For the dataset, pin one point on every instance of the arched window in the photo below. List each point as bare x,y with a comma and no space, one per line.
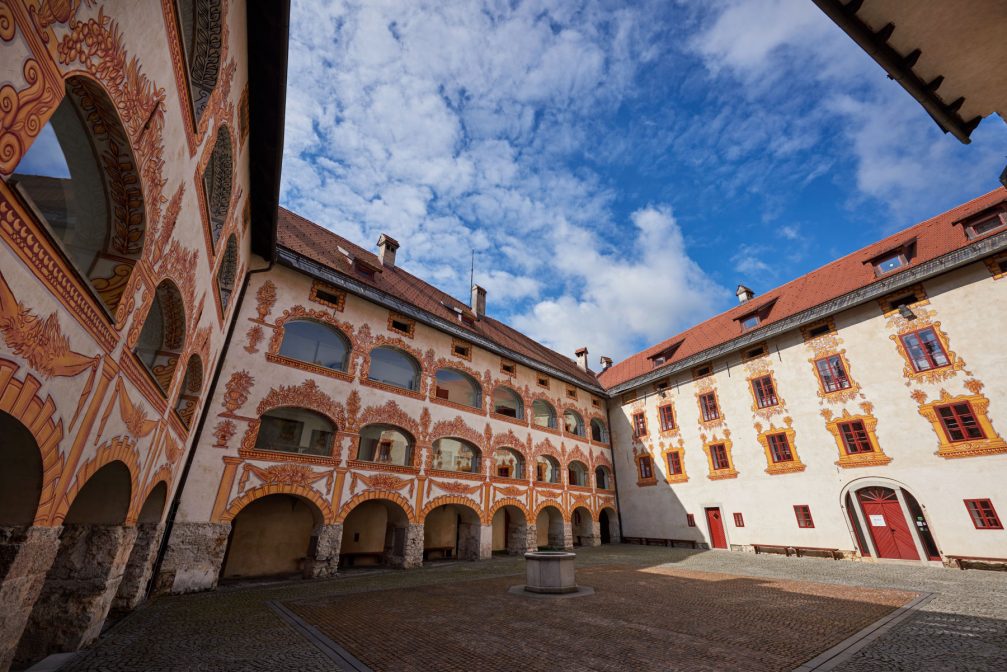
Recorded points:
459,387
603,478
315,343
573,423
456,455
200,23
227,272
508,402
81,180
295,430
508,463
543,414
577,472
386,444
547,469
217,183
163,334
599,432
394,367
188,396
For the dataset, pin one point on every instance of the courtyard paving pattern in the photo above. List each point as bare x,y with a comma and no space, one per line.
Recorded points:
654,609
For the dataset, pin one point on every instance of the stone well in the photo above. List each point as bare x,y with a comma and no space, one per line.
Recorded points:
550,572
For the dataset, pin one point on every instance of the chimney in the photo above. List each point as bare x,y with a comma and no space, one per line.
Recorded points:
744,294
606,363
478,301
386,250
581,358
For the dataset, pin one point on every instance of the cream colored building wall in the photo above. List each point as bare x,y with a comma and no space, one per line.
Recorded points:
965,303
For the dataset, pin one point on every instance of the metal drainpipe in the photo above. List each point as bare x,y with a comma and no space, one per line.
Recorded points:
176,500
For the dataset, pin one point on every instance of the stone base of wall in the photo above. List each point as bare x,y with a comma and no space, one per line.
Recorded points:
561,538
133,586
519,540
531,538
323,557
26,554
194,558
78,590
412,549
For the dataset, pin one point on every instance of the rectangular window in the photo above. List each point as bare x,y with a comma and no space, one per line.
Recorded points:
667,417
571,392
708,405
750,321
981,228
855,438
596,403
803,513
510,368
765,394
702,371
402,325
674,463
462,351
984,516
755,352
832,373
924,349
959,422
639,425
718,455
542,381
779,448
739,520
690,520
646,468
889,263
819,330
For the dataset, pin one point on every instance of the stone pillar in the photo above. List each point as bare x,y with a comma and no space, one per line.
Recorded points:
519,541
194,559
530,539
593,538
485,542
561,537
323,556
78,590
411,549
133,586
26,554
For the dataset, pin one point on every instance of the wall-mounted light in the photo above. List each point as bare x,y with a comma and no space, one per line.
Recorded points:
905,312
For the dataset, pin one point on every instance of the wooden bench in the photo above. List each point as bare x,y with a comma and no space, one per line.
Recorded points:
798,551
444,551
977,562
772,548
350,559
652,541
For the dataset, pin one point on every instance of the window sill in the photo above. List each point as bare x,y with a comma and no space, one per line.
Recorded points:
392,388
447,473
307,366
676,478
722,474
382,466
279,456
646,482
975,448
872,459
454,404
507,418
785,467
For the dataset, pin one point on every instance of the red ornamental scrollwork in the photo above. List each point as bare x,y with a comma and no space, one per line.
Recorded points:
24,113
223,432
511,491
458,429
456,488
388,413
305,395
255,337
284,474
382,482
236,390
509,440
265,298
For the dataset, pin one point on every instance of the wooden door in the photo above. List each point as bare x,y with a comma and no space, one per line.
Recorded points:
717,537
887,524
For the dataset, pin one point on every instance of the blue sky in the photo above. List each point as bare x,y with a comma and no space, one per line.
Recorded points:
617,167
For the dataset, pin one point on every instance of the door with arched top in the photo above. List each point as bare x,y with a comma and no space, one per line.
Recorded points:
887,524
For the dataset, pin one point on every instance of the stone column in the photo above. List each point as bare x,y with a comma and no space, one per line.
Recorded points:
323,556
593,538
561,537
530,539
412,548
133,586
485,542
78,590
518,539
26,554
194,559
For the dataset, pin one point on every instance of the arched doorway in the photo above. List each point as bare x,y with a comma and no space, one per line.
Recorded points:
583,527
451,531
510,530
550,528
887,521
609,523
271,536
141,559
84,577
374,535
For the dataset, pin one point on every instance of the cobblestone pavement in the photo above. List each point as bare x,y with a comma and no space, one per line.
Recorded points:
963,628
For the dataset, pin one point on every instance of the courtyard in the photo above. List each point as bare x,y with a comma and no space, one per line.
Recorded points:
654,608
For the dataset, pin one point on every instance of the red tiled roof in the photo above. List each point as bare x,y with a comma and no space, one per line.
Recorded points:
934,237
321,245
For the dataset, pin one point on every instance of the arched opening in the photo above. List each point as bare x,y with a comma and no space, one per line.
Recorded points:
609,523
458,387
217,183
163,335
227,273
543,414
451,531
573,423
199,25
547,469
271,537
81,181
603,478
315,343
585,530
141,559
508,402
295,430
599,432
374,534
451,454
510,531
577,473
550,529
394,367
386,444
85,575
188,395
508,463
20,473
888,521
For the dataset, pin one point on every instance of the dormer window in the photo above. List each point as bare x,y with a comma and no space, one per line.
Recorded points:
750,321
364,269
889,263
664,356
756,316
984,223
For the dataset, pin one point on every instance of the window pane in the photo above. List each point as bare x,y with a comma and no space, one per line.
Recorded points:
394,367
455,455
933,347
507,402
295,430
315,343
385,443
458,387
543,414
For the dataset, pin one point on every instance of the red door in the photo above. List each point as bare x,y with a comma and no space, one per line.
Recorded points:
887,524
716,525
